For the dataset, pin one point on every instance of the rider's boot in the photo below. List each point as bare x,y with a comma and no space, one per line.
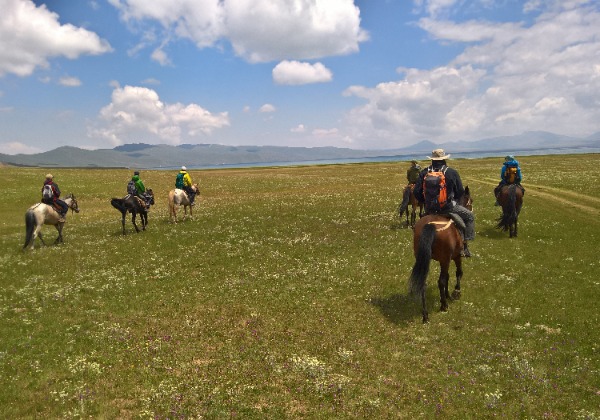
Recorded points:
465,252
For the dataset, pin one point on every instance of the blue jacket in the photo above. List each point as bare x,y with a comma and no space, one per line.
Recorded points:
511,163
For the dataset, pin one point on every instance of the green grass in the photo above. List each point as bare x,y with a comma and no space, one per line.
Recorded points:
286,297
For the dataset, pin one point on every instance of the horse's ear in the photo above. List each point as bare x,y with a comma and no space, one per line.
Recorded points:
467,190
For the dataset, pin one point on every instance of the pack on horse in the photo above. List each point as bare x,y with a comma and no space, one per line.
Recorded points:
45,214
437,237
177,198
134,205
408,197
510,198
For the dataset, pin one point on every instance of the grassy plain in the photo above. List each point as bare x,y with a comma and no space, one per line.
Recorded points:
286,297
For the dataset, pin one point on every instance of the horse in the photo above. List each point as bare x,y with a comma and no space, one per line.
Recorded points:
408,197
437,237
134,205
178,198
45,214
511,200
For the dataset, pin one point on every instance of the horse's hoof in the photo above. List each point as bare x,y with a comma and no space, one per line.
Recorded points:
444,308
456,294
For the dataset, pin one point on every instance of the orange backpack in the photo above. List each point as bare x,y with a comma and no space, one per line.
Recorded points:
510,174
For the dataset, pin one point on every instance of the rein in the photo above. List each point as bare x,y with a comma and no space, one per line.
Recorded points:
445,226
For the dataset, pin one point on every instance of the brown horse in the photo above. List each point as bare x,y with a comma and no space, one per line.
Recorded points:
511,200
408,197
437,237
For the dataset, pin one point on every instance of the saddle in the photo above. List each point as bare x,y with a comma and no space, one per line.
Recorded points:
452,218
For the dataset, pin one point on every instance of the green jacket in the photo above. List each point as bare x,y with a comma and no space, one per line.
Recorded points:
139,185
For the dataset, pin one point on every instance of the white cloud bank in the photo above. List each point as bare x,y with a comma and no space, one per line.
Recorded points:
30,35
137,114
258,30
297,73
510,78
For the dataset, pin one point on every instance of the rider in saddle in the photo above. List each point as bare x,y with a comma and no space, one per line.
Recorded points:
54,200
140,188
509,174
412,174
454,191
183,181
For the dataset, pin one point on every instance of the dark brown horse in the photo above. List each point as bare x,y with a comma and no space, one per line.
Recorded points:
134,205
437,237
408,198
511,200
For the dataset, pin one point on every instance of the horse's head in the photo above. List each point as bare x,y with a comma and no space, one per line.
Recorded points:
72,203
195,188
466,200
150,195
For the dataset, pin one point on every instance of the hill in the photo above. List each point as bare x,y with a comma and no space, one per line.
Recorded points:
141,155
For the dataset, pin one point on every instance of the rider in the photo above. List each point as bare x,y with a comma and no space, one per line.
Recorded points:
454,191
183,181
509,174
140,189
55,199
412,174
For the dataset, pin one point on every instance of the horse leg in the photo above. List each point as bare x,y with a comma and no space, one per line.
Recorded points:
133,214
443,285
459,274
425,314
123,221
59,238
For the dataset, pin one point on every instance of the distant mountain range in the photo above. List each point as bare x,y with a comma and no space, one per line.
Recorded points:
140,155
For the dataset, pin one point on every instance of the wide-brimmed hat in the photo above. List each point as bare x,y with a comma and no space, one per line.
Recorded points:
509,157
438,154
136,173
183,168
414,161
49,176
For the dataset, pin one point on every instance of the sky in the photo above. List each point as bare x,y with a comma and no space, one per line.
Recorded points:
360,74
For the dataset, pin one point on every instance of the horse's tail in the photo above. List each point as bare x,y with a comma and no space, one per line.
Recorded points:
509,209
405,199
421,268
118,204
29,227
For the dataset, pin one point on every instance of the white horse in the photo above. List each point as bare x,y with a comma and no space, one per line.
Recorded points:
43,214
178,198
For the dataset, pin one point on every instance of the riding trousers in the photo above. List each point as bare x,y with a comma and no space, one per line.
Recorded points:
469,219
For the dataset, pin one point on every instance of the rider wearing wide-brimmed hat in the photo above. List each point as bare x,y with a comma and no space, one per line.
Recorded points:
454,191
55,199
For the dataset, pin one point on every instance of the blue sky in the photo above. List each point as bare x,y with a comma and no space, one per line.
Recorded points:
363,74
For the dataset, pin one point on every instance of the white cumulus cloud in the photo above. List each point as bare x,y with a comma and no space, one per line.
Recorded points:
30,35
297,73
267,108
258,30
509,78
137,113
69,81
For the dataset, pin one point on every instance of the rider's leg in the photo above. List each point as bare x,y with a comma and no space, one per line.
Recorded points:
469,218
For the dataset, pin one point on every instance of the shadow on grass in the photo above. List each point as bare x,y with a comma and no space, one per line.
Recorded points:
405,309
397,308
